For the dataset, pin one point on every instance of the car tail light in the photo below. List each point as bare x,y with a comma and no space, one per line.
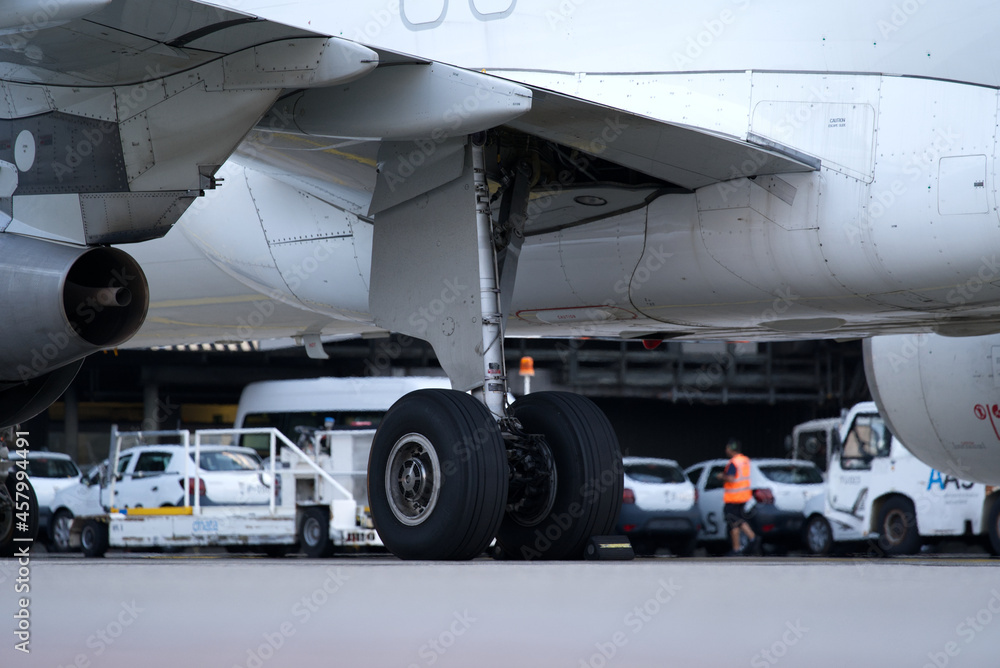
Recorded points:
628,496
763,495
201,485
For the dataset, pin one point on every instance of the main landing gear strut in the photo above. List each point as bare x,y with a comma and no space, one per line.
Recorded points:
450,471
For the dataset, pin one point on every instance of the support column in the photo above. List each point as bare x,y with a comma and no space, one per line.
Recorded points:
71,422
150,406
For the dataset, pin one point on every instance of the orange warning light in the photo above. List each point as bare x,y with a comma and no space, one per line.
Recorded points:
527,366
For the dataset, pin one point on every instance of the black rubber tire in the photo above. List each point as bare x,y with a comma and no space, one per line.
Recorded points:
897,527
456,447
314,533
59,535
685,548
589,474
993,527
13,539
278,551
817,536
94,538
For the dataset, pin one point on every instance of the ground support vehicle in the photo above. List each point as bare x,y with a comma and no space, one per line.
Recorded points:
878,492
311,508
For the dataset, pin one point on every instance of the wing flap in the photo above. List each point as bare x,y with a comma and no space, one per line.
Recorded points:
685,156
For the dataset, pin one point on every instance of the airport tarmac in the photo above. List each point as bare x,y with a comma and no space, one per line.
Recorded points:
131,611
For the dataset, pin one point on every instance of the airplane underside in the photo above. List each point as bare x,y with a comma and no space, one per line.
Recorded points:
354,190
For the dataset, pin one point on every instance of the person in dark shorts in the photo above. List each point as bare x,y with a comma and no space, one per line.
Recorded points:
736,493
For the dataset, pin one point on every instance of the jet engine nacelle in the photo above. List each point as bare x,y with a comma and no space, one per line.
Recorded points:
59,303
941,398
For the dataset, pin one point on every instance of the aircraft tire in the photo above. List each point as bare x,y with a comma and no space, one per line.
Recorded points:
12,531
437,476
589,478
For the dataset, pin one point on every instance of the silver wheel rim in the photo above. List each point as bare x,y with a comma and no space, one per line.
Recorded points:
894,527
87,537
413,479
60,531
311,531
817,535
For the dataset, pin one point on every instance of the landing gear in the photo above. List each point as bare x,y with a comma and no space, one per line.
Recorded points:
450,472
437,477
553,515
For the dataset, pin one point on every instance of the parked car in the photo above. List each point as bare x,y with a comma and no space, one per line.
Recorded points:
49,472
659,507
152,476
781,489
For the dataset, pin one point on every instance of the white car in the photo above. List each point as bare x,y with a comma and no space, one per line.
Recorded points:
658,507
781,489
152,476
49,472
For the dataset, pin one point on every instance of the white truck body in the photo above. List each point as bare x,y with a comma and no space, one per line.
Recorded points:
870,471
306,483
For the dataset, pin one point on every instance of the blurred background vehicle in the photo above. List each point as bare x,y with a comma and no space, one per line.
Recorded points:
49,473
879,491
659,507
781,489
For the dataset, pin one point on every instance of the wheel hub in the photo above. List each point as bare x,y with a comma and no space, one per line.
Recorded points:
413,479
532,491
311,531
895,527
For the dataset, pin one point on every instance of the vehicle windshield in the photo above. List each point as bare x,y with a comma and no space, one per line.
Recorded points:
869,438
44,467
791,474
229,460
287,422
654,473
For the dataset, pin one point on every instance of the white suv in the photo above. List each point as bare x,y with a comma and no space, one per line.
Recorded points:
781,488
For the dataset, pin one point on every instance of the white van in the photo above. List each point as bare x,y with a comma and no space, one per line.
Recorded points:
811,441
878,490
353,403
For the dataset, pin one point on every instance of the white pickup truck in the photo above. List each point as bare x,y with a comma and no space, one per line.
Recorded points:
878,491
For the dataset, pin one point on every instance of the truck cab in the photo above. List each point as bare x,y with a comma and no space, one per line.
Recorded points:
877,490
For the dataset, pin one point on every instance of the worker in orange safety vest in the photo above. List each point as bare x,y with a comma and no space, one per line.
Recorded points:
735,494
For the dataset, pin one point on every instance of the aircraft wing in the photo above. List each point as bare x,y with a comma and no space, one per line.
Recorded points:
685,156
329,141
115,114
